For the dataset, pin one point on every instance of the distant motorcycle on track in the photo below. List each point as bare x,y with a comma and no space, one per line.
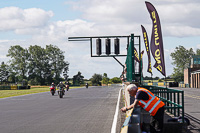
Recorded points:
52,90
86,85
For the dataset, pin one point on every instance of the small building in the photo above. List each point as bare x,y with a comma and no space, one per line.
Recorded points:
192,74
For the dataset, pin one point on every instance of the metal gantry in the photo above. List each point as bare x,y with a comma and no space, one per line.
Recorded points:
132,74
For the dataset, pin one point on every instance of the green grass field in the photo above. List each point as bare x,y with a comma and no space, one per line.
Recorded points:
11,93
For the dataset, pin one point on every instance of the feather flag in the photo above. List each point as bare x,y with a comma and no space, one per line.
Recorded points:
156,39
146,42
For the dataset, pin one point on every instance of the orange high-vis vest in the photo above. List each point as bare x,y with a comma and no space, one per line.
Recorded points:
153,104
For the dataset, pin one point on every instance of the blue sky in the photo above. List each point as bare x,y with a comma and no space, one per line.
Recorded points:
43,22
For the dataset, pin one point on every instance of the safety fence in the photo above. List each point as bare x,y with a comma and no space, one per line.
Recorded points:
174,104
173,99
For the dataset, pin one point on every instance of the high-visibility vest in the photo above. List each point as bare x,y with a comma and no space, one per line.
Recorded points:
153,104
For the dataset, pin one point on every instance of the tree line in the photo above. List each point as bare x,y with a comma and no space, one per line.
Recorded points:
42,66
181,60
35,65
96,79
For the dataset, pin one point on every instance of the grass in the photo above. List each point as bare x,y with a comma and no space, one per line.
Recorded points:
11,93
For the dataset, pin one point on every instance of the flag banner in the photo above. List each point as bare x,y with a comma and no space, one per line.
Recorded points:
156,40
146,42
136,55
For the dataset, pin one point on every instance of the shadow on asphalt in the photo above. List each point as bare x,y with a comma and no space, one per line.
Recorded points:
194,126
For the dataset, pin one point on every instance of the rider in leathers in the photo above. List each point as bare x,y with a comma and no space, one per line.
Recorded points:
53,85
61,85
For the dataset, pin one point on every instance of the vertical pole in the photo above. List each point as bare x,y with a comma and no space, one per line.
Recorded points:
183,106
167,100
174,104
178,104
128,41
171,101
91,46
132,58
141,63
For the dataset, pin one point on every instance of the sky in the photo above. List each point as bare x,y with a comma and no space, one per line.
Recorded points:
44,22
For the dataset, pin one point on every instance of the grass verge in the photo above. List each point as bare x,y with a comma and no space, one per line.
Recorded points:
11,93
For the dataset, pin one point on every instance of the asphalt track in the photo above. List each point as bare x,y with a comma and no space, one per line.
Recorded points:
192,108
80,111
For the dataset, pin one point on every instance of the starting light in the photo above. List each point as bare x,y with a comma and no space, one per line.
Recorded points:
98,46
108,50
116,43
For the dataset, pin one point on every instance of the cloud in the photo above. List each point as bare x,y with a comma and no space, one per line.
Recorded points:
14,18
108,17
127,14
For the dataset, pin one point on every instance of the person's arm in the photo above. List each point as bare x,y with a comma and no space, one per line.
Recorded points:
134,105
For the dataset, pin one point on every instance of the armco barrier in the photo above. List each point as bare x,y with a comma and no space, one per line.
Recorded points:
132,122
5,87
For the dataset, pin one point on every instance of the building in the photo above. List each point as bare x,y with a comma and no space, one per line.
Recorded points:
192,74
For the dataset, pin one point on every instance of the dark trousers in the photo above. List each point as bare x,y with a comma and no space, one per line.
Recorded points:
156,122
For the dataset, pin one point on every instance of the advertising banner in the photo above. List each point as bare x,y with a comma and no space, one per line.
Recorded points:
146,42
156,40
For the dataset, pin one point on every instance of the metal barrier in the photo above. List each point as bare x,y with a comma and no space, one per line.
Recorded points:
132,122
173,99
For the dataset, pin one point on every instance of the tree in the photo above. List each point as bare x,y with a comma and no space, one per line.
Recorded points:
38,63
198,52
96,78
19,61
46,65
156,78
65,72
181,59
78,79
3,72
105,79
41,66
57,61
115,80
177,75
147,78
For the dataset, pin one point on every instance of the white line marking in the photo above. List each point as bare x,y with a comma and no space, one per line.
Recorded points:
114,124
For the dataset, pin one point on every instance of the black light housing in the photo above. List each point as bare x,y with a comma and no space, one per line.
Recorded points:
98,46
116,43
108,49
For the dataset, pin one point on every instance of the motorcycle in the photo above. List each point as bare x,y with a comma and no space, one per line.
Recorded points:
67,87
86,85
52,90
61,92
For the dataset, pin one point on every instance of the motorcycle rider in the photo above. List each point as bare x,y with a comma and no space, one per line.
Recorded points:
53,85
67,85
61,85
86,85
